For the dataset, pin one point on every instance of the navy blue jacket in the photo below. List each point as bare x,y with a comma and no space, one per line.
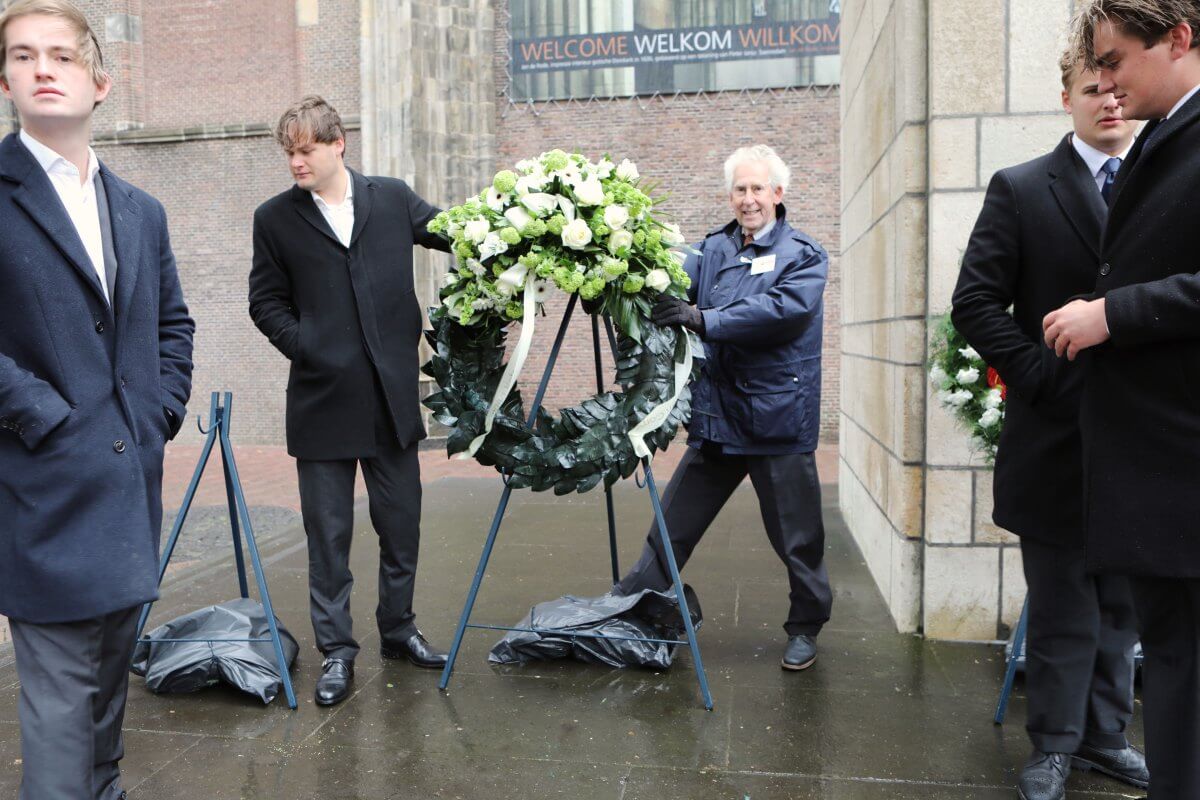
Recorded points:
84,393
759,391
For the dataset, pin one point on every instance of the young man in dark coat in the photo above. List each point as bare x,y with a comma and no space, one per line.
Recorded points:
95,373
1033,248
332,288
757,303
1139,336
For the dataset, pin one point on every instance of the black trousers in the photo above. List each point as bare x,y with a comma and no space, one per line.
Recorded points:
1169,621
789,498
1079,648
393,479
74,677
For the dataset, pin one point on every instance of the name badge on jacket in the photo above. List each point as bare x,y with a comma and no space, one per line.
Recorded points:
762,264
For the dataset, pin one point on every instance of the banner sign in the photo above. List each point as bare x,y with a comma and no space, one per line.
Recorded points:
647,46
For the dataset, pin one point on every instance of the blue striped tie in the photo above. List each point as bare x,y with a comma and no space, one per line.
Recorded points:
1110,176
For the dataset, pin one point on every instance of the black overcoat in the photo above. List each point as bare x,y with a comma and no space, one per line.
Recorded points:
1141,401
1034,247
343,315
84,390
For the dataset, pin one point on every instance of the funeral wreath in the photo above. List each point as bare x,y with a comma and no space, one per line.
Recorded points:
558,223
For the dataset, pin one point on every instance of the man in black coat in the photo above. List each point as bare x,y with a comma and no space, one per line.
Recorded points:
95,373
1140,336
332,288
1033,248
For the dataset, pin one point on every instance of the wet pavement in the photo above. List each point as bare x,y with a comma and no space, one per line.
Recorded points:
880,715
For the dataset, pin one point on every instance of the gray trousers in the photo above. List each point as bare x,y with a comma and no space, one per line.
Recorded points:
789,499
393,479
74,677
1079,648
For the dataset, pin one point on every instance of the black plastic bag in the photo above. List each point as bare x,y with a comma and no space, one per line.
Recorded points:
643,615
172,667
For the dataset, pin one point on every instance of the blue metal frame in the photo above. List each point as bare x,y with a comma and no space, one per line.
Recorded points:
239,520
464,621
1014,661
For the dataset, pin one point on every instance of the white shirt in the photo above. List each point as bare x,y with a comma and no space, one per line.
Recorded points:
78,198
761,233
1183,100
341,216
1095,159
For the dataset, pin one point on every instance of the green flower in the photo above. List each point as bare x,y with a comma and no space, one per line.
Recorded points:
534,229
505,181
510,236
591,289
615,267
438,224
633,284
464,250
554,160
556,224
514,310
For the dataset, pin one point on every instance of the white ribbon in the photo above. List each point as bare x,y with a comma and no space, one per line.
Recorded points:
658,415
513,370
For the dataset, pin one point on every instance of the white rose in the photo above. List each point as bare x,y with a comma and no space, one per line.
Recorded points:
496,199
511,280
671,235
527,165
492,245
589,192
658,280
539,203
971,353
619,239
989,418
627,171
576,234
454,229
476,230
943,397
533,182
959,398
992,399
938,377
967,376
616,216
604,168
518,217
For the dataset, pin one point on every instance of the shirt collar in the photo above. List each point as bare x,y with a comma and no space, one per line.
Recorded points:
1095,159
347,200
1183,100
51,161
763,232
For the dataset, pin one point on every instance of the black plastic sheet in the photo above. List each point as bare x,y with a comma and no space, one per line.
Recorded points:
174,667
642,616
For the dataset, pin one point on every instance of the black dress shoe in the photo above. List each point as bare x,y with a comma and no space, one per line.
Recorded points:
334,684
1127,765
800,654
417,650
1044,776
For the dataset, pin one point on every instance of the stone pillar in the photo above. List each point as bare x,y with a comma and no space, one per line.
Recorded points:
930,110
428,104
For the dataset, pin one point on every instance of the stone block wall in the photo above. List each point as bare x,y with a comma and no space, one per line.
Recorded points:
937,96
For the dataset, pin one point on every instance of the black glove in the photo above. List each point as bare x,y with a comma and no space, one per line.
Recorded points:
670,311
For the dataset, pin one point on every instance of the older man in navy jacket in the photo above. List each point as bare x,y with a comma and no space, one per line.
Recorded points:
756,302
95,371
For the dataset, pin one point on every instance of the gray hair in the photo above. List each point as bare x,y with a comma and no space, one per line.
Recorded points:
778,170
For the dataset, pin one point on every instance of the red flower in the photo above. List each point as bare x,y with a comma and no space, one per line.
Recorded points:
995,381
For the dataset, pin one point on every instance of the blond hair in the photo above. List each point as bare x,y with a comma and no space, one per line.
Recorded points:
1148,20
311,119
778,171
88,44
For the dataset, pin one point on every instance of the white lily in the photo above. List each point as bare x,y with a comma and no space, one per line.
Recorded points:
519,217
512,279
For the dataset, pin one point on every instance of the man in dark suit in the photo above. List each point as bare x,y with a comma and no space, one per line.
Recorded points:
1034,247
1140,336
95,371
332,288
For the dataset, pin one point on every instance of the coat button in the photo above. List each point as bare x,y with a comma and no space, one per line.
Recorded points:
1105,268
118,446
100,326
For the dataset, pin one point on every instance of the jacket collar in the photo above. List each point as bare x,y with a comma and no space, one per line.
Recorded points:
1151,140
363,202
1074,188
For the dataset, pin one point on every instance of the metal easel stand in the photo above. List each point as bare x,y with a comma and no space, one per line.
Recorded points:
239,512
1015,660
464,621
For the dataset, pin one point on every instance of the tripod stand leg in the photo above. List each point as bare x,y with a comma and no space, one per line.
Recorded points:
233,521
1010,672
256,562
664,535
608,498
